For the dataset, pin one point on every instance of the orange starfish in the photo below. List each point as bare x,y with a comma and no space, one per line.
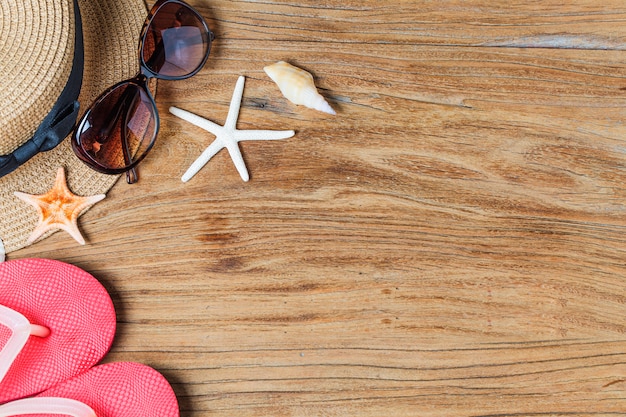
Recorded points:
59,208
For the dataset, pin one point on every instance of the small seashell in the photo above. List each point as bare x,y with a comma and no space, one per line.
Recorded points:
2,252
298,86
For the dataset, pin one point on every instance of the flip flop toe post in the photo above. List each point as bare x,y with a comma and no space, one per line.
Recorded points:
56,322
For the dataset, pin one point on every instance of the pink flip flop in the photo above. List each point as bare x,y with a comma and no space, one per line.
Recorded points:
56,322
121,389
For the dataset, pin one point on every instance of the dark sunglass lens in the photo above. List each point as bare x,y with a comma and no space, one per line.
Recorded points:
176,42
118,130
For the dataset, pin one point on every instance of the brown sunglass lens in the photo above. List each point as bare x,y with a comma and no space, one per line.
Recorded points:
119,129
176,42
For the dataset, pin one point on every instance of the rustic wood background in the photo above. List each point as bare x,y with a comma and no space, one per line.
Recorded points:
452,243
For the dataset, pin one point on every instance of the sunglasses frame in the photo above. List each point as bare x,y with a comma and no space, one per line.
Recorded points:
140,81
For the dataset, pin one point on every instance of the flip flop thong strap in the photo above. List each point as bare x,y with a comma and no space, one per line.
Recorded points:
46,405
21,329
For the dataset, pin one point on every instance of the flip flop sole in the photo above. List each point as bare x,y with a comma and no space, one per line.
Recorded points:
73,305
121,389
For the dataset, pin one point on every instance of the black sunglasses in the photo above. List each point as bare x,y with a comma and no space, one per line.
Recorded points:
121,126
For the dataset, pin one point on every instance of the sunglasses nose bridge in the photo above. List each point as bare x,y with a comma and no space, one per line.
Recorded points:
142,78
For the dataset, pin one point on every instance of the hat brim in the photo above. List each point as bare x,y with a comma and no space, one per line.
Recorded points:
111,31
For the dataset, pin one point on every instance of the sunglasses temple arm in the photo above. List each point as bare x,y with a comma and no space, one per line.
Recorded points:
131,174
113,117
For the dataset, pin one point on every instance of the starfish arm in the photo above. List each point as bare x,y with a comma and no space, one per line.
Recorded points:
38,232
235,155
47,226
96,198
42,228
241,135
203,159
235,104
85,203
60,182
71,227
28,198
197,120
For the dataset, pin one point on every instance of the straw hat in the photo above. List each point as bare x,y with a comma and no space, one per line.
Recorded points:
39,82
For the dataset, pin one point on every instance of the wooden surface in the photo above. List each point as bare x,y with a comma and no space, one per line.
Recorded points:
452,243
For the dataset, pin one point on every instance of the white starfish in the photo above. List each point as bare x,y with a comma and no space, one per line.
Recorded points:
227,136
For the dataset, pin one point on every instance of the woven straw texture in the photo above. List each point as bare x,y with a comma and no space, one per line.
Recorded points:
111,34
26,41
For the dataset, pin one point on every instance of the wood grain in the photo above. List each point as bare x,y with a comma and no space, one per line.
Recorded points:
451,244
